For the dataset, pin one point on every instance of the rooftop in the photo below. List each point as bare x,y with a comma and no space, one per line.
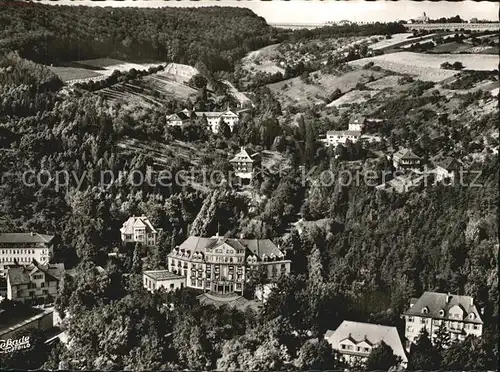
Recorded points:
22,274
161,275
372,334
406,154
25,238
434,302
136,222
343,133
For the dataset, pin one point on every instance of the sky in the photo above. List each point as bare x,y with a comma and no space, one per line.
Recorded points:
315,11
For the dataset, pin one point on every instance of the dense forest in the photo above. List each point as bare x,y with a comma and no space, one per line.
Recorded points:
361,255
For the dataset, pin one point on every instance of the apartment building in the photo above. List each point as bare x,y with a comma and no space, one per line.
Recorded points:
33,282
23,248
355,341
458,313
139,230
224,265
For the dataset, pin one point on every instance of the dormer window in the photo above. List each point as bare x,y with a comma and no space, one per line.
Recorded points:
425,310
472,316
441,313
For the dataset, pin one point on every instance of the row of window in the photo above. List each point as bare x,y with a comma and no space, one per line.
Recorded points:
455,325
20,251
358,348
18,259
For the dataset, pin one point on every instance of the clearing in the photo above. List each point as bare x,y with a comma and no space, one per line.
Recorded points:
353,96
73,73
262,60
427,66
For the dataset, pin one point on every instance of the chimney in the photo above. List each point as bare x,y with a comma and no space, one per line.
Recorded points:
32,233
472,301
448,298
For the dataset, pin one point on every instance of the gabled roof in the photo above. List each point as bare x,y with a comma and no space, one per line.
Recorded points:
406,154
178,116
244,156
21,274
449,164
25,238
258,247
434,302
357,119
134,222
365,332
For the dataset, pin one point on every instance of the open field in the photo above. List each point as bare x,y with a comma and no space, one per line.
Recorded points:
396,39
297,92
106,66
384,83
427,66
261,60
180,73
74,73
353,96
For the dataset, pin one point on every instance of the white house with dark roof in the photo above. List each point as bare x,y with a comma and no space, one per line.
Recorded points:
458,313
179,118
139,230
447,168
355,340
352,134
223,265
153,280
24,248
214,118
245,162
406,159
34,281
357,123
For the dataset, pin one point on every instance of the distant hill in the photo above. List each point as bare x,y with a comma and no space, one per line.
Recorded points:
55,34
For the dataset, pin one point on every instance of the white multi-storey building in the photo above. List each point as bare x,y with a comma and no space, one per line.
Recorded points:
24,248
458,313
355,341
213,118
139,230
352,134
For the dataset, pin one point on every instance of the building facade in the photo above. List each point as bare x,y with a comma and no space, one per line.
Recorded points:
139,230
224,265
447,169
213,118
153,280
458,313
33,282
352,134
355,341
245,162
406,159
24,248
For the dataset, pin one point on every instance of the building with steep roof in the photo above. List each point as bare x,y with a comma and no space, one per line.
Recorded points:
139,230
355,340
458,313
357,123
406,159
340,137
33,282
179,118
447,168
245,162
224,265
24,248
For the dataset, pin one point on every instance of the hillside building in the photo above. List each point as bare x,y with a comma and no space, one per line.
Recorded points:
352,134
24,248
153,280
458,313
245,163
213,118
139,230
33,282
447,168
355,341
406,159
222,265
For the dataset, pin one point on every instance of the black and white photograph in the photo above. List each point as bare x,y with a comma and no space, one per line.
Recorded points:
249,185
